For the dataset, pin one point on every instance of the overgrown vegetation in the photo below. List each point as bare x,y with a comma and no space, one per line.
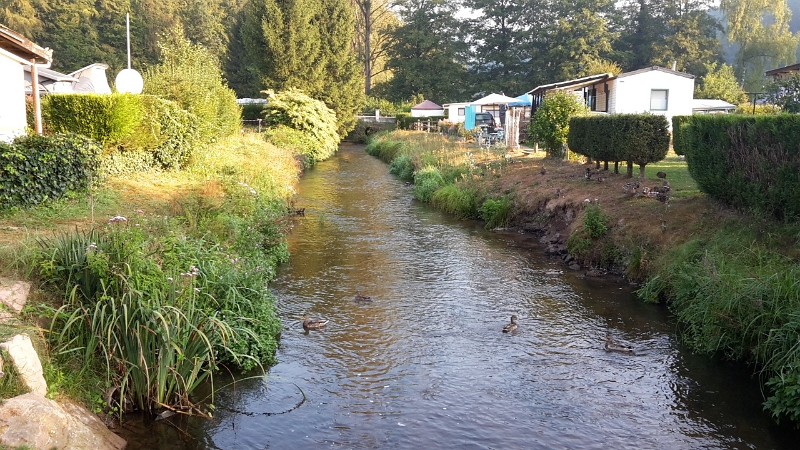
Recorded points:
294,109
156,301
737,297
551,122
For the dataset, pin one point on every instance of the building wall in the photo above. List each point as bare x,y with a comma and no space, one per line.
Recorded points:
631,95
12,99
451,111
427,112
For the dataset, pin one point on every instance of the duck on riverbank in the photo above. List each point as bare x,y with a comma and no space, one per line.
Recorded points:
512,326
363,298
313,324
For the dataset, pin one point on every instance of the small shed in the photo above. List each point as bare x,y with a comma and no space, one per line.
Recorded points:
712,106
427,109
17,52
456,112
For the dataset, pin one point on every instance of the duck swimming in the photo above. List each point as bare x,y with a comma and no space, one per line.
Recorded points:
313,324
363,298
613,346
511,326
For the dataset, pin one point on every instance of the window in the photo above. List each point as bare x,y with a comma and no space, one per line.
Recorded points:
461,111
659,99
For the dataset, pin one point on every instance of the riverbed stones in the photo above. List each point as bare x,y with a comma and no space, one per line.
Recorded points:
63,427
26,362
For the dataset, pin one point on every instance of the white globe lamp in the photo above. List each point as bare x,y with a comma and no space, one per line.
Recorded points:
129,81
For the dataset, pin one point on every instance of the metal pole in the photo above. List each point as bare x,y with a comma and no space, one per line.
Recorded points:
128,28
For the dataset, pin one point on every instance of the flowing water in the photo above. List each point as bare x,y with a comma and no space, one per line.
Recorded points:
425,364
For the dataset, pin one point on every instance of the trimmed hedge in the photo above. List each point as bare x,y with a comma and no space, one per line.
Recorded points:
747,161
40,168
107,119
636,138
404,121
678,141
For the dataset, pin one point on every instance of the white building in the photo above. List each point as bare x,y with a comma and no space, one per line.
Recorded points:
427,109
654,90
455,112
16,52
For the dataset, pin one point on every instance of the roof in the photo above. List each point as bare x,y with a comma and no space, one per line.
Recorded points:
711,104
783,70
576,83
657,68
427,105
90,66
18,45
49,74
495,99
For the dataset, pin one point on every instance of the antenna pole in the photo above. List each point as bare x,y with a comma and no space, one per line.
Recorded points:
128,28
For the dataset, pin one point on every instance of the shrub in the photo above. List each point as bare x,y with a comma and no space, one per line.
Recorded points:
678,141
298,141
636,138
385,148
550,122
595,221
426,181
496,212
402,167
747,161
387,108
107,119
39,168
190,75
461,202
296,110
252,111
167,131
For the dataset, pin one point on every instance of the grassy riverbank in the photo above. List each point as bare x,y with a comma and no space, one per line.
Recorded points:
180,261
729,276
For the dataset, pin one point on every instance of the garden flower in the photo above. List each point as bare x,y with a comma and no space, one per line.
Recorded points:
117,219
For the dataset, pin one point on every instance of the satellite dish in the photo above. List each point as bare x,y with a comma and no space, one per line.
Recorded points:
129,81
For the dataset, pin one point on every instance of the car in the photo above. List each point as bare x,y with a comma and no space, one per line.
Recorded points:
485,119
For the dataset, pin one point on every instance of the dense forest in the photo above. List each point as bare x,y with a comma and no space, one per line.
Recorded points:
445,50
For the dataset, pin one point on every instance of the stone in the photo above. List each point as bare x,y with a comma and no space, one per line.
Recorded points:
575,266
38,422
595,273
22,354
13,296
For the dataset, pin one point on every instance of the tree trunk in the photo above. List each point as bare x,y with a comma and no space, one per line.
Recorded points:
616,167
641,171
597,164
605,166
367,38
630,170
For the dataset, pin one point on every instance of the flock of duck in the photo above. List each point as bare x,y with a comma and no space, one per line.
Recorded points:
610,345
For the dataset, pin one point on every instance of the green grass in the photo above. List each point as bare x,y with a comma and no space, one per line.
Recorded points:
681,183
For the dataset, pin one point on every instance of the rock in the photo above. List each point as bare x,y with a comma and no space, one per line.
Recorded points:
575,266
594,273
22,354
13,295
38,422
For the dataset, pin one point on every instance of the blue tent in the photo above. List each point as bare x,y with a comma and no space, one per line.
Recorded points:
524,100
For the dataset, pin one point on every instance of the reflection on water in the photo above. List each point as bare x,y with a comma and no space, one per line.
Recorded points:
425,363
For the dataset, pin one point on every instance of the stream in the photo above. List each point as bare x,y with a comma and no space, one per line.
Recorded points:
425,364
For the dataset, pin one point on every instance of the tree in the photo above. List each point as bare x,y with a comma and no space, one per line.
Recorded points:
719,82
761,30
550,122
374,19
500,60
663,32
191,76
424,54
21,16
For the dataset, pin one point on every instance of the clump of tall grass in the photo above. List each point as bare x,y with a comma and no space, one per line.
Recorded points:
462,202
426,181
403,167
496,212
735,297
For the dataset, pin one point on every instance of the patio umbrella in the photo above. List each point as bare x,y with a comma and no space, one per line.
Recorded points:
495,99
